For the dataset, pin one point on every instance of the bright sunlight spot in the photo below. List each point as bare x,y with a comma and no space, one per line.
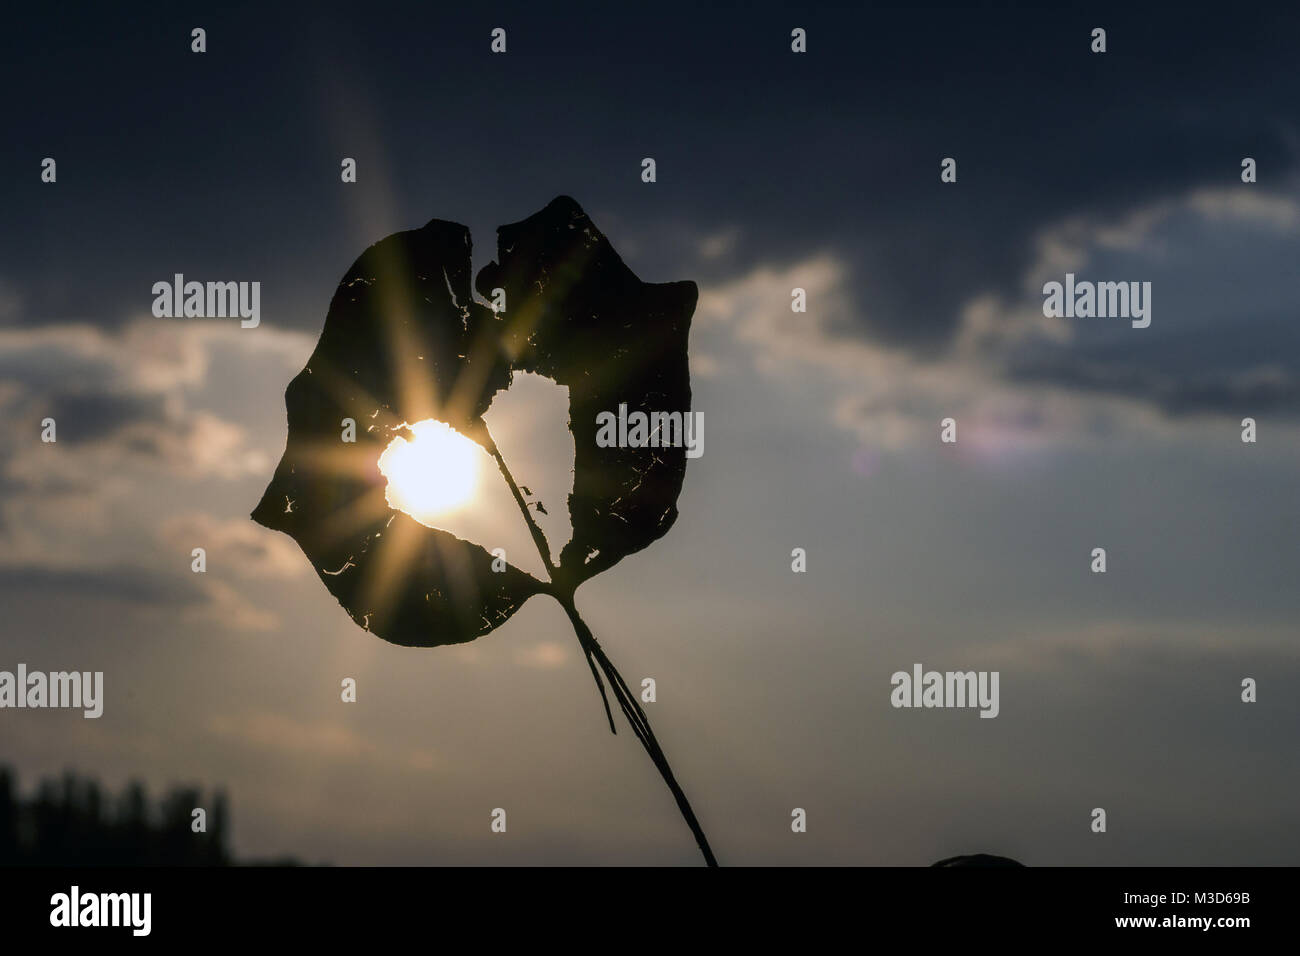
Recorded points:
432,474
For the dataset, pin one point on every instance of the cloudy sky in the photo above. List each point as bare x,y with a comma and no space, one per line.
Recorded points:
775,171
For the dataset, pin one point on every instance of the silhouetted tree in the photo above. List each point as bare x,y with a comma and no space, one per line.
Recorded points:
8,815
70,822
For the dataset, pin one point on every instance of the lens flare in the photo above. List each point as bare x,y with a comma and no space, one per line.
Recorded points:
432,473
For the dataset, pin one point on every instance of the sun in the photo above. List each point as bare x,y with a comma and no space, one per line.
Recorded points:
433,473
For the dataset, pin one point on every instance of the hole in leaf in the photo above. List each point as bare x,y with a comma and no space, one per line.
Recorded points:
529,422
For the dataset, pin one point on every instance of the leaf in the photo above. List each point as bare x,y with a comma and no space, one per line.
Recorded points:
577,314
404,341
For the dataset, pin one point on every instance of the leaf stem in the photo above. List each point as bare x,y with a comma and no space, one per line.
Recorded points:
544,549
640,724
631,707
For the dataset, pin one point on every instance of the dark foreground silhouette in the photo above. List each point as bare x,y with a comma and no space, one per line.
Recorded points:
406,341
978,859
73,821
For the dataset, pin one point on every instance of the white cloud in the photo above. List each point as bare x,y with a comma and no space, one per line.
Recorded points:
313,740
890,396
133,440
235,546
544,655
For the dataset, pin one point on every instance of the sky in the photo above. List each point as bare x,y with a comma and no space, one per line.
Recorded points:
775,170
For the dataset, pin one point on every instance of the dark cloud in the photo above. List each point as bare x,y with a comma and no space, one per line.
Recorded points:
125,584
57,364
99,416
1222,338
1245,393
839,147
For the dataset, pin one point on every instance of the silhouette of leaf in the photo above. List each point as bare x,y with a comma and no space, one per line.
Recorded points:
577,314
404,341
